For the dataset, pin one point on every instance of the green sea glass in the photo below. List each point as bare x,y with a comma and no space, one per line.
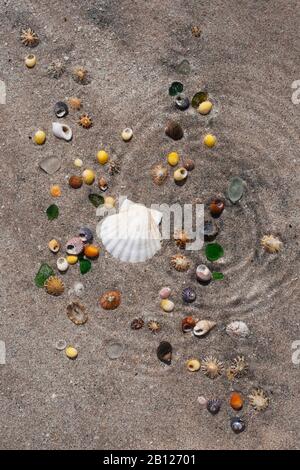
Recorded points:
175,88
52,212
96,199
214,251
85,266
217,276
199,98
42,275
235,189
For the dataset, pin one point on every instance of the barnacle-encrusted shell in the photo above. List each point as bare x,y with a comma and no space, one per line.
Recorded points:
203,327
154,326
110,300
54,285
187,324
164,352
238,367
80,75
214,405
237,329
159,174
29,37
259,399
181,238
180,262
85,121
271,244
74,246
212,367
77,313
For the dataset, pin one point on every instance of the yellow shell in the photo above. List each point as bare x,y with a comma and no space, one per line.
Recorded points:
88,176
102,157
193,365
271,244
71,352
39,137
109,202
173,158
30,61
78,162
209,140
167,305
72,259
180,174
54,246
54,285
205,107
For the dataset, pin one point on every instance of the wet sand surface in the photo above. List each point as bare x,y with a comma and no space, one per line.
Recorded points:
247,57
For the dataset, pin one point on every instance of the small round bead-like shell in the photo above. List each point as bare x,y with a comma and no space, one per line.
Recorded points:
165,292
236,401
71,352
30,61
91,251
75,182
110,300
193,365
54,286
167,305
127,134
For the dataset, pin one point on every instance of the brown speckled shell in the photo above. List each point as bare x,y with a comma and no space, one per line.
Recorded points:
110,300
187,324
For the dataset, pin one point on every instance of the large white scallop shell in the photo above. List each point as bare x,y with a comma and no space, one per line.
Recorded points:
132,235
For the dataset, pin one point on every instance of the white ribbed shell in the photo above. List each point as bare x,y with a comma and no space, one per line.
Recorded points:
132,235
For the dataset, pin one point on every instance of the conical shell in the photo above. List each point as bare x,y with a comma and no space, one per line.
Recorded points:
54,285
202,327
132,235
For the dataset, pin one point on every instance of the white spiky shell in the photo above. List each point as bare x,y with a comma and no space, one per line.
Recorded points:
132,235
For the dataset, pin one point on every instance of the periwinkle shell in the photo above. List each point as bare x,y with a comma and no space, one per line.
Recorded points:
188,295
182,102
174,130
164,352
86,235
61,109
237,424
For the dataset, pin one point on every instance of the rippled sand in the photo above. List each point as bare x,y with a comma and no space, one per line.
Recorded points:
247,57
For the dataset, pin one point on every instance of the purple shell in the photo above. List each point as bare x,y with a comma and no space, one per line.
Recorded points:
74,246
188,295
86,235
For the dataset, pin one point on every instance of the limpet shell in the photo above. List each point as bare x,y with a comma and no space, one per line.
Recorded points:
214,406
77,313
159,174
137,324
237,329
110,300
154,326
54,286
180,262
74,246
164,352
174,130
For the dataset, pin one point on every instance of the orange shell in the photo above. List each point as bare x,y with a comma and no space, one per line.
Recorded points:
188,324
110,300
91,251
236,401
75,182
216,207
